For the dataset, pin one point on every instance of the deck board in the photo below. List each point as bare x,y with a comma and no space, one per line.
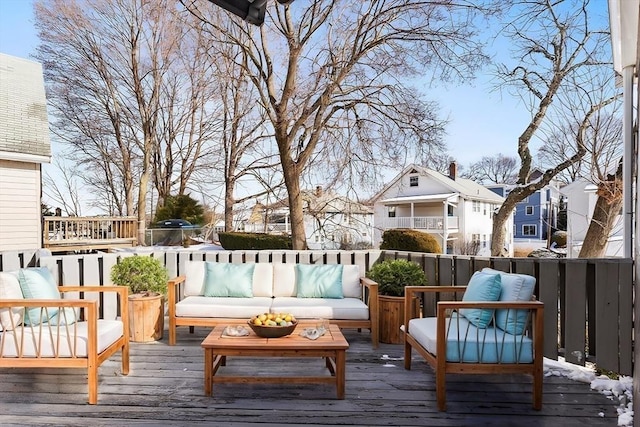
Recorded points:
165,387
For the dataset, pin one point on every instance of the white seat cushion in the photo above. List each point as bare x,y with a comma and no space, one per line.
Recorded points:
326,308
57,341
214,307
467,343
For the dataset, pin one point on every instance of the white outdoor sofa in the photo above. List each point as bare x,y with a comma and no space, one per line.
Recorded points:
271,288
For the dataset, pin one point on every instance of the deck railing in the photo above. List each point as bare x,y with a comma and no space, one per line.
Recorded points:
588,302
62,234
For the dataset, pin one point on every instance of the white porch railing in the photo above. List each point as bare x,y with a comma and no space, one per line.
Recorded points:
422,222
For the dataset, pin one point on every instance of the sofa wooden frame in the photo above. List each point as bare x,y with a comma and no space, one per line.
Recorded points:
89,312
438,361
371,295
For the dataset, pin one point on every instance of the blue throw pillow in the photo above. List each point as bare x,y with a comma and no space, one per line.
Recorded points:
319,281
228,280
515,287
481,287
38,283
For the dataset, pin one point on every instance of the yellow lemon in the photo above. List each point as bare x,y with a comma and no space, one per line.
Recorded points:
262,317
287,318
257,321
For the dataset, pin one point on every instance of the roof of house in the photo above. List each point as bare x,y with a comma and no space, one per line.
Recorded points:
323,201
467,188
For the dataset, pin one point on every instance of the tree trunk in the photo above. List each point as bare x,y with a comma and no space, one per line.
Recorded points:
296,212
229,202
499,228
604,217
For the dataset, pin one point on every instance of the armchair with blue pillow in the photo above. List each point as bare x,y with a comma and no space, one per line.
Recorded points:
496,328
40,328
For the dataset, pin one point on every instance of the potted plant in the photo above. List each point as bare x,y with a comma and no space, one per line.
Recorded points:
147,279
392,275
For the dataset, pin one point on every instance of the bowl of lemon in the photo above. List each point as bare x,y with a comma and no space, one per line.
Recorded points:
273,325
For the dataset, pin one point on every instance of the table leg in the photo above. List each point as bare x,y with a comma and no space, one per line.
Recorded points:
341,361
208,371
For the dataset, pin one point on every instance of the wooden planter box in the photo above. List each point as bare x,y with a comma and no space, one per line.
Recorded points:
391,317
146,317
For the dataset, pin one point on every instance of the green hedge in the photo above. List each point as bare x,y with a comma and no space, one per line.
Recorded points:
404,239
243,241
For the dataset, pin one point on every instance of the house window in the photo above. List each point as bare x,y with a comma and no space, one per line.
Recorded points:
484,240
475,238
476,206
413,181
529,230
449,210
528,210
392,211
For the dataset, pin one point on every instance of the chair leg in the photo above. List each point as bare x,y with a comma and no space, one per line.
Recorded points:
125,358
537,390
441,390
407,355
92,373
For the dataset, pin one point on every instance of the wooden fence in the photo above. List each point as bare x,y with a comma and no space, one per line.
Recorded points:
588,303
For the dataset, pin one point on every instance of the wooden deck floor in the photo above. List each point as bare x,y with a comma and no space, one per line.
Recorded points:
165,387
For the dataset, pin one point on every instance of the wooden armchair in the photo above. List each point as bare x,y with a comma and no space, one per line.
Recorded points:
451,344
79,338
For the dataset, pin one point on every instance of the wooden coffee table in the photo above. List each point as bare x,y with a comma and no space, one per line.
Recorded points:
331,346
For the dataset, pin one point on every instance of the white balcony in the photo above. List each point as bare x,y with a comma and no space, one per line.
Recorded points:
429,223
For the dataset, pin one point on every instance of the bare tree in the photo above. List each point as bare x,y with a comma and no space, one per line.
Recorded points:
130,94
559,59
64,190
498,169
331,77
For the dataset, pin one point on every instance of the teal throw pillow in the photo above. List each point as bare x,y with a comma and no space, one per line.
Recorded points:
228,280
515,287
38,283
481,287
319,281
66,316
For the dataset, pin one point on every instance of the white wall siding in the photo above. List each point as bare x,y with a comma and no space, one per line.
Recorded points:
20,212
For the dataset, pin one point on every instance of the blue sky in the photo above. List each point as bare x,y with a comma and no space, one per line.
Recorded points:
481,123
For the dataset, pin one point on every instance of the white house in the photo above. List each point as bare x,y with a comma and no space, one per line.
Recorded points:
24,147
581,200
331,221
457,211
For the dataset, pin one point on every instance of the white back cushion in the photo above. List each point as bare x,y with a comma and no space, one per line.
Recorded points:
195,271
284,280
194,283
263,279
351,281
10,289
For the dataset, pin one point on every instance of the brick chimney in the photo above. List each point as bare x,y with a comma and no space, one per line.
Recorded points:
453,170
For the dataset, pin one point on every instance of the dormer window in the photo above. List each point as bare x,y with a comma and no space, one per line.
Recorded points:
413,181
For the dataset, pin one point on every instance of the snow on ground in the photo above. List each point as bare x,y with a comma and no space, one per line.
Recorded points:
619,390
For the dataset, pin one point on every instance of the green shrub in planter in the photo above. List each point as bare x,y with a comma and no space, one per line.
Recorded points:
392,275
142,274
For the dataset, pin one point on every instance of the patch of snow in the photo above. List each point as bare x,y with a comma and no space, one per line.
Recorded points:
619,390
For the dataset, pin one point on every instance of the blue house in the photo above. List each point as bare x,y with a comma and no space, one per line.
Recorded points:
535,216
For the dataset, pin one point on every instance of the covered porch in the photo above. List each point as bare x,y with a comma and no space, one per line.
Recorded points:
434,213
